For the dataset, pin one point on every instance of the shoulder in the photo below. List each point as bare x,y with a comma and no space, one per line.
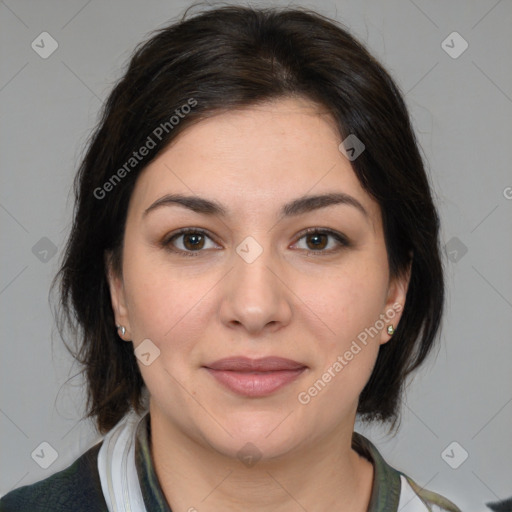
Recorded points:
394,490
76,488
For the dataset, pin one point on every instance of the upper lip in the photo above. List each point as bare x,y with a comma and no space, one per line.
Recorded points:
264,364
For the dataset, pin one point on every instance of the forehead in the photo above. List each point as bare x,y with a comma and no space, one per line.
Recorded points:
255,158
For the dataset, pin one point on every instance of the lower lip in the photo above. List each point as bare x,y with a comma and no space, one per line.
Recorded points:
255,384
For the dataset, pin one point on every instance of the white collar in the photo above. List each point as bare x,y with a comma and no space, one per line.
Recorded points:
116,465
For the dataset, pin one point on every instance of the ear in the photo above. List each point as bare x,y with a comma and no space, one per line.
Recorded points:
117,297
395,302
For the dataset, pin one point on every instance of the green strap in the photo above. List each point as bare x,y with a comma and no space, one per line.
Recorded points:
432,498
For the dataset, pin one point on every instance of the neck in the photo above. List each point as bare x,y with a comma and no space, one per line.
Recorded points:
324,475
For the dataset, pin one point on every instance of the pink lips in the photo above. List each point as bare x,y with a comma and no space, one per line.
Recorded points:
255,377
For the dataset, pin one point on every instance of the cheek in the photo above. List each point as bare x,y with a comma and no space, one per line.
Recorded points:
350,305
162,306
349,300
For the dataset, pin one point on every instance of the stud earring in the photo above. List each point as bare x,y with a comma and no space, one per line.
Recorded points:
122,329
391,330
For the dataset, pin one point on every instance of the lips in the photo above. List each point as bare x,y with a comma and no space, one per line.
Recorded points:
255,378
245,364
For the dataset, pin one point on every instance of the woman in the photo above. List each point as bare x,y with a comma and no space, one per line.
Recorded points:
254,260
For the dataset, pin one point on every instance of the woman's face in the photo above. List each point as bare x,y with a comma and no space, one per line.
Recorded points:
249,281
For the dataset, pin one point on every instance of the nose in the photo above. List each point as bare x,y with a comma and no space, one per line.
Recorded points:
255,295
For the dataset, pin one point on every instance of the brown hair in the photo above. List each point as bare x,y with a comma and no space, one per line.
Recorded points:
232,57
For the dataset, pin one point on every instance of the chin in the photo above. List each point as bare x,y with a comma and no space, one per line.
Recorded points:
251,449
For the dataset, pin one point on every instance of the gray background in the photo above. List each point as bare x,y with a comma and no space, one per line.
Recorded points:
461,108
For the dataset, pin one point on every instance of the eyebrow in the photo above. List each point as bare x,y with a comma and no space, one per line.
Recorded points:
298,206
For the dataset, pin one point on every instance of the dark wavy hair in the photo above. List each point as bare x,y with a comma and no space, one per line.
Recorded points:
233,57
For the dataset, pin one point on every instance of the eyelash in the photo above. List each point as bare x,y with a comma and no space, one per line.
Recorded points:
340,239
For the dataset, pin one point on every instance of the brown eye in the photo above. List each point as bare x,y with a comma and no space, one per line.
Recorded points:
189,241
193,241
322,241
317,241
